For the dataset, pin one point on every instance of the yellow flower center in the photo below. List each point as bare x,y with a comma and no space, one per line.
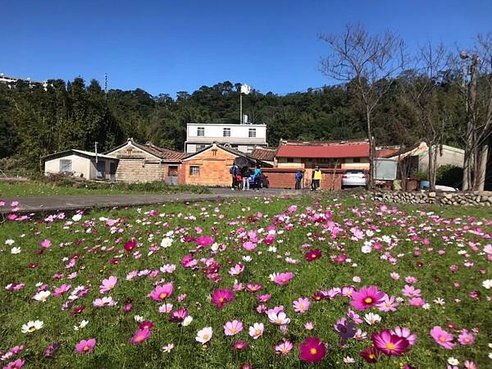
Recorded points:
86,348
368,300
257,332
233,330
163,295
390,346
313,351
442,338
372,356
221,299
205,337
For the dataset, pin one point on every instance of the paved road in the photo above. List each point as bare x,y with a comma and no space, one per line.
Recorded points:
64,203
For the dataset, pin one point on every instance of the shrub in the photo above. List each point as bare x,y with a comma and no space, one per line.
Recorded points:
449,175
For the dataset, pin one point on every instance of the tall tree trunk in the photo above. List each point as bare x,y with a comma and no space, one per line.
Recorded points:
432,153
370,182
483,156
470,143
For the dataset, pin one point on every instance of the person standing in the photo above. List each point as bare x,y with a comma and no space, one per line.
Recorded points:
299,176
257,177
316,178
234,171
245,172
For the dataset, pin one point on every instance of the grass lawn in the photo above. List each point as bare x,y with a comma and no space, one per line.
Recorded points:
40,188
116,289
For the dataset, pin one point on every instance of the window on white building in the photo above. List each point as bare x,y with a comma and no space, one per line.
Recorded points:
252,132
65,165
194,170
200,147
200,131
227,132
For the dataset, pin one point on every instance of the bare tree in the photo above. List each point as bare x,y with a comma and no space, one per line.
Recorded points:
479,112
369,63
420,91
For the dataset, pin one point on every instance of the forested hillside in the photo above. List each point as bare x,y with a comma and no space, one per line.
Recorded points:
37,120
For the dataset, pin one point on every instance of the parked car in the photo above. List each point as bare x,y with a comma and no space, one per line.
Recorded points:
354,178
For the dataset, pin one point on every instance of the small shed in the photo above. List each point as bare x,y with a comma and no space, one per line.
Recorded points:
83,164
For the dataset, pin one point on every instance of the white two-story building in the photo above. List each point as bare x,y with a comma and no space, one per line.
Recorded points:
242,137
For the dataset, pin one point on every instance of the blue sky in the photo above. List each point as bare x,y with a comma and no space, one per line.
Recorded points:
165,46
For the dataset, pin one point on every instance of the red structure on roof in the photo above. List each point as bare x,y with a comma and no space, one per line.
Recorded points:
332,150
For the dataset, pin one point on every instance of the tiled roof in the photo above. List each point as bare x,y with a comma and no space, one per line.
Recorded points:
162,153
332,150
386,153
261,153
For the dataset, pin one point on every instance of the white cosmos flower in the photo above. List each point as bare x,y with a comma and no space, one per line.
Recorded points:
439,301
453,361
168,347
372,318
41,296
81,325
187,321
348,360
166,242
9,242
247,258
487,283
32,326
138,318
77,217
15,250
204,335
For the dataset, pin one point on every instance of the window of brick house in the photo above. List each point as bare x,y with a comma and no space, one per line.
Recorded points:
252,132
356,160
200,131
226,132
194,170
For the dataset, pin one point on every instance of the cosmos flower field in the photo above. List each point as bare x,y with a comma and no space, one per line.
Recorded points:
265,283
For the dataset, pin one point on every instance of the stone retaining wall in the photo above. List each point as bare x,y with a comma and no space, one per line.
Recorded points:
439,198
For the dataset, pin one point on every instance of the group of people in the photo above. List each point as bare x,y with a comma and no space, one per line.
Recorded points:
315,179
245,178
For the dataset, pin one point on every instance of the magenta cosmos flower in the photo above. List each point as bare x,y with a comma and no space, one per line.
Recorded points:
390,344
442,337
140,336
162,292
222,296
85,346
312,255
130,245
312,350
204,241
367,297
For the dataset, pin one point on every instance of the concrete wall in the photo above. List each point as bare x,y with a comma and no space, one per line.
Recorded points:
214,168
80,166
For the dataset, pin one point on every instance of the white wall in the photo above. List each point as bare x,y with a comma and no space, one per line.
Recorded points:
217,130
80,165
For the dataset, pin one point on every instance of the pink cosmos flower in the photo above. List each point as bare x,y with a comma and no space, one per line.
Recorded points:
249,246
466,338
405,333
366,297
85,346
470,365
309,326
442,337
105,301
411,291
388,304
253,287
61,290
179,315
222,296
284,348
108,284
390,344
45,244
236,269
301,305
240,345
140,336
233,328
282,278
17,364
163,292
417,301
312,350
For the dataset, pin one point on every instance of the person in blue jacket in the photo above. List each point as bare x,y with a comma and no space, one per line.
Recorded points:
257,177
